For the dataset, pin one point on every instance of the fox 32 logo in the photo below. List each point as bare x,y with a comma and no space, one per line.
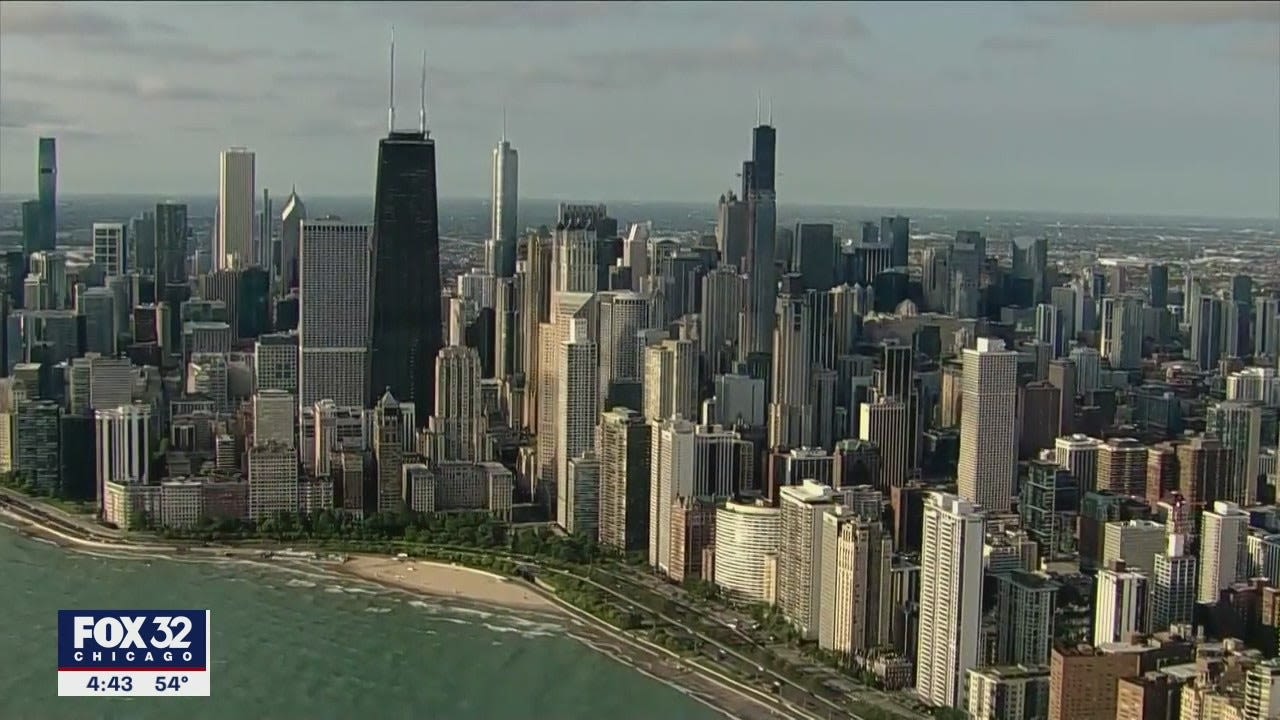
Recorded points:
160,651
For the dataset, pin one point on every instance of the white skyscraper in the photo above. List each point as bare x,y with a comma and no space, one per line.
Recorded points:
110,248
1173,586
1222,550
800,559
290,231
950,598
333,311
671,380
233,246
578,403
988,426
122,445
1120,606
501,260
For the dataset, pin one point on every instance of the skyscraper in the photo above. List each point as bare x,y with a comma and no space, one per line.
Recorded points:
950,598
110,247
47,188
762,221
1238,425
624,480
333,313
503,203
800,559
790,409
896,231
577,387
988,448
1222,557
170,258
1158,285
388,451
290,226
233,244
1121,604
406,322
458,415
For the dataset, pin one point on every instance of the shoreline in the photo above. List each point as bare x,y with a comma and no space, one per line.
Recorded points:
445,581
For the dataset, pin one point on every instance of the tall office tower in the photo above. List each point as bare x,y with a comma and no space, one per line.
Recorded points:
935,279
388,452
50,266
1121,604
1262,691
122,446
625,441
535,311
1069,303
950,598
1062,374
689,460
170,254
1039,408
290,236
110,248
790,409
1204,466
333,309
275,415
578,407
266,226
503,201
896,232
566,308
275,362
1173,586
1222,550
988,426
856,602
731,230
1122,469
1242,290
574,255
1122,332
273,480
47,188
814,256
36,443
459,416
762,221
1030,261
1088,369
508,344
1266,327
1208,326
724,292
883,422
1024,611
1158,285
1078,454
800,553
1238,425
1049,328
671,380
895,378
233,244
140,256
97,305
406,326
623,314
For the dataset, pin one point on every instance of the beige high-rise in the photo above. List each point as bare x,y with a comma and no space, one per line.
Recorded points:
988,426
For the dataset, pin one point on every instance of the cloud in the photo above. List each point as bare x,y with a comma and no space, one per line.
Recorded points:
1263,50
837,27
142,87
1149,14
1015,44
37,117
488,15
631,67
47,20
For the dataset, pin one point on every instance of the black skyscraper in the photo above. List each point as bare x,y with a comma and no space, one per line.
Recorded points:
406,326
1158,276
170,255
764,148
897,232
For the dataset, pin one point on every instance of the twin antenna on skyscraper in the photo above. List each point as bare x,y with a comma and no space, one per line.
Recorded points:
391,98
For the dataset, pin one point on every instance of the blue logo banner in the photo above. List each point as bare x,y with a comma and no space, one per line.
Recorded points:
126,640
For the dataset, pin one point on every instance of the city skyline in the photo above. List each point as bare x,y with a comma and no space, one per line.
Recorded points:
1039,101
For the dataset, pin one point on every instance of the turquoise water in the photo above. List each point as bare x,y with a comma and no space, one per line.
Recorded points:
307,645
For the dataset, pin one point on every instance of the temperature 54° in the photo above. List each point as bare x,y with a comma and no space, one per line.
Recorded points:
170,683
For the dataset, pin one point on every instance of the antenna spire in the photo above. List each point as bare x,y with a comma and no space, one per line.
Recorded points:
759,98
391,89
422,106
769,122
504,122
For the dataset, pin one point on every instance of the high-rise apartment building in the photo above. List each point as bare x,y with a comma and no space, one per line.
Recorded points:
1222,550
1136,542
855,609
988,445
1121,606
1238,426
233,243
1204,466
625,441
1078,455
748,536
800,554
1024,610
333,308
459,417
951,571
1173,586
671,380
623,314
273,480
1122,467
790,409
122,446
578,407
883,422
388,452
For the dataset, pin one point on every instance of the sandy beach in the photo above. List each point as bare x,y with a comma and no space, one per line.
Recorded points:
446,581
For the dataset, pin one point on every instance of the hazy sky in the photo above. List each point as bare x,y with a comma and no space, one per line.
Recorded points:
1142,107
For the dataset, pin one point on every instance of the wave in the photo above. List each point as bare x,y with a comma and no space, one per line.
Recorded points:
378,610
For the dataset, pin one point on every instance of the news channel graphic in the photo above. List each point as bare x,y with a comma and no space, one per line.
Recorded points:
133,653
